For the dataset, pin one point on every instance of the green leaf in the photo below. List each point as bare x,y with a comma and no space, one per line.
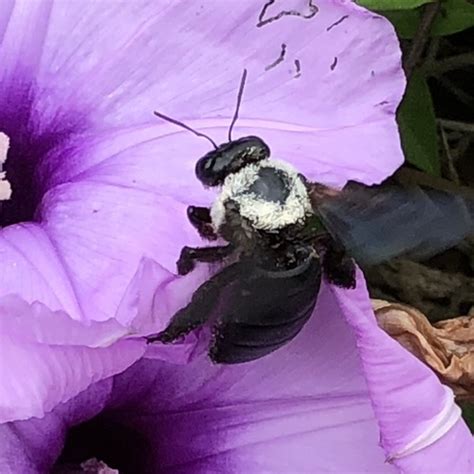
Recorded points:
455,16
417,123
405,22
392,4
468,414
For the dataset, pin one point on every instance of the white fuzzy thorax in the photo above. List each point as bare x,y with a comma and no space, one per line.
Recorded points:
264,215
5,188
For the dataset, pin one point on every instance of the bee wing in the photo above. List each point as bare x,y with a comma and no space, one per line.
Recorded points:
376,223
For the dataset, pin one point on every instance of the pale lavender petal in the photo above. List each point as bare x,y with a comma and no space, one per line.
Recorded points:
104,236
43,332
134,63
32,446
35,322
114,217
36,377
453,453
121,186
32,268
5,13
145,311
126,57
134,59
399,384
341,373
395,379
304,408
297,410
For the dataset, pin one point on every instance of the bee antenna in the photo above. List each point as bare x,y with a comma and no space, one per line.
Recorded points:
239,100
186,127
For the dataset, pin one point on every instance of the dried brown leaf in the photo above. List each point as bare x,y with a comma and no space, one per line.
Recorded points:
447,346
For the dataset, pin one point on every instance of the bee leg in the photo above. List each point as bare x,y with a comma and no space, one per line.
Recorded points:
190,255
200,218
339,268
201,307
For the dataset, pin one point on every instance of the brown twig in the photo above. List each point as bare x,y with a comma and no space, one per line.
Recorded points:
450,63
450,168
430,11
458,126
435,292
459,93
407,176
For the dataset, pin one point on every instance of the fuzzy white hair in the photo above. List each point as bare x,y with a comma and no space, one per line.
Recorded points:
263,215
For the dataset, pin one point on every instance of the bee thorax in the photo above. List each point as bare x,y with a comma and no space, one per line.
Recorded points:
269,194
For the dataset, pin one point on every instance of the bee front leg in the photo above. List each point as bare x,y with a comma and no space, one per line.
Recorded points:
190,255
200,218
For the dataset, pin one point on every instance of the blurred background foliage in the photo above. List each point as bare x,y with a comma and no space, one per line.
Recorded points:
437,39
436,120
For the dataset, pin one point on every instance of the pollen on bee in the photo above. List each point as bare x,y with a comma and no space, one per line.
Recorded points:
5,187
263,212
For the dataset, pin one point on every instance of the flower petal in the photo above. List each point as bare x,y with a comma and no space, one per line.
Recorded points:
32,446
32,268
93,238
395,379
315,405
44,333
142,57
304,408
36,377
104,236
121,185
35,322
295,410
451,453
313,396
103,221
124,49
5,14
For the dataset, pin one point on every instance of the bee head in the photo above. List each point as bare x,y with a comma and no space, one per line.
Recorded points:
230,157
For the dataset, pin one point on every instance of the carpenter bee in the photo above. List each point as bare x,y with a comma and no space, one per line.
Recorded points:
283,234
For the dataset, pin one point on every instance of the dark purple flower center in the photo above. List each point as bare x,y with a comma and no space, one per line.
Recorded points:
24,157
120,447
28,166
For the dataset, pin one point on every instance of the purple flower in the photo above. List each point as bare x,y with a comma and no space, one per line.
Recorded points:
96,220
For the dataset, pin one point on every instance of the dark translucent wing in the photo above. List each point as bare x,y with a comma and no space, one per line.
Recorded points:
266,311
377,223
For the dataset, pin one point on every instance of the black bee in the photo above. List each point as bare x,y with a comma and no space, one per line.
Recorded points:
283,234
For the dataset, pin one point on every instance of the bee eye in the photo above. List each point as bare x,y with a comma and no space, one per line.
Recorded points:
209,170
